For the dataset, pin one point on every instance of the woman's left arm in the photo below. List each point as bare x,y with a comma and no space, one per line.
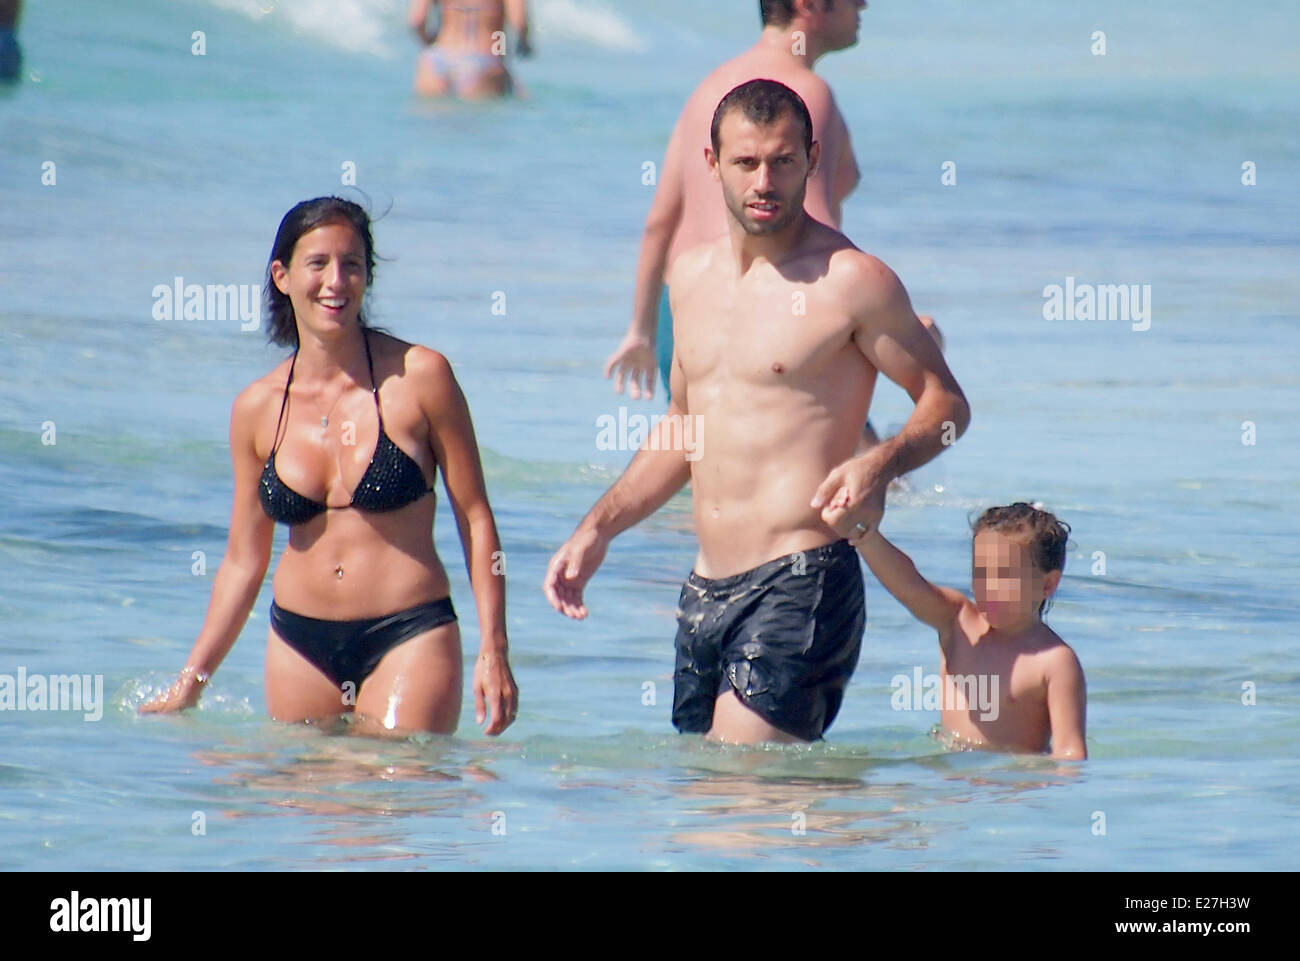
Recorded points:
417,18
451,436
517,18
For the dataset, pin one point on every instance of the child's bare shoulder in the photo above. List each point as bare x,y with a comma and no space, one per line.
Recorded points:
1046,643
966,622
1058,655
1055,658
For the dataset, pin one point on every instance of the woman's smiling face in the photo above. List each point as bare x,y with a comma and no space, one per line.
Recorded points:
325,278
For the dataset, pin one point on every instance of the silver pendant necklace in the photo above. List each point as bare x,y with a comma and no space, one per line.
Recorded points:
325,418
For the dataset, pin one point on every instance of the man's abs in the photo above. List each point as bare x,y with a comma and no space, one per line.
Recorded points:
761,464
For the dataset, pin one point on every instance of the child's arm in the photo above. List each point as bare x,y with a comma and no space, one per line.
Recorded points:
1067,705
936,606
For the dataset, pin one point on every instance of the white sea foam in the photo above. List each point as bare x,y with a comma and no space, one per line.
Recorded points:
589,22
369,26
359,26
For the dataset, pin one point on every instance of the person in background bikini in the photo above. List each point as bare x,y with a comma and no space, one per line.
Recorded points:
466,56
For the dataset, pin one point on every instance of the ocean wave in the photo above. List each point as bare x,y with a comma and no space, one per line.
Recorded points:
588,22
358,26
371,26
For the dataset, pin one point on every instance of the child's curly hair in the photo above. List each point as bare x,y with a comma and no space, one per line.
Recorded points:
1044,535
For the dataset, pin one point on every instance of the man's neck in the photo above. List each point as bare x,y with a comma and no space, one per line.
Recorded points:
804,49
774,248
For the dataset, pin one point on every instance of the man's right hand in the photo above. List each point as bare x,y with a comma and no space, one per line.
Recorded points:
852,497
571,568
635,360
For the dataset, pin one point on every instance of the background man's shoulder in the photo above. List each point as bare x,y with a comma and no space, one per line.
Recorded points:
693,262
754,65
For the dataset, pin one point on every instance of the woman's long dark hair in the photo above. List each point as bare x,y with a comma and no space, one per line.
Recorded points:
304,217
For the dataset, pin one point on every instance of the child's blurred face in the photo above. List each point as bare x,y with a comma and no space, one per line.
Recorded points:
1008,587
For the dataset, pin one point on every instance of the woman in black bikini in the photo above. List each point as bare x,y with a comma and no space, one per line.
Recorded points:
361,619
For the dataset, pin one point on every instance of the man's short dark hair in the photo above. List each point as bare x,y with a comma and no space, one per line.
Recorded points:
777,13
763,102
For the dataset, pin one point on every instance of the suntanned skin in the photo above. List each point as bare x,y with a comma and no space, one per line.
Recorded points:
1042,694
779,391
348,564
869,436
686,210
468,26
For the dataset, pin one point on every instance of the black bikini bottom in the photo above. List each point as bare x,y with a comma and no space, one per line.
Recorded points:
349,651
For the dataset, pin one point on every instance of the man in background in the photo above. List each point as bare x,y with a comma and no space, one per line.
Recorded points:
687,209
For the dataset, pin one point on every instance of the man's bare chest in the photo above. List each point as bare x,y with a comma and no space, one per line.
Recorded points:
764,337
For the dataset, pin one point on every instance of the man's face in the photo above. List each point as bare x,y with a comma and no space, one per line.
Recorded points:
838,27
763,170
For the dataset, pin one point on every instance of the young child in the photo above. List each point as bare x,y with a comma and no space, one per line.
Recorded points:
999,644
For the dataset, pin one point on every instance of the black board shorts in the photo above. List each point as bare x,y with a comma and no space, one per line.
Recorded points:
784,636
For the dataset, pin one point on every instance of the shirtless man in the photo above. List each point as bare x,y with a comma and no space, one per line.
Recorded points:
686,210
466,56
782,325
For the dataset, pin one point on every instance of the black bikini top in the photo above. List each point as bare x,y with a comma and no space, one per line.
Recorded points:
392,480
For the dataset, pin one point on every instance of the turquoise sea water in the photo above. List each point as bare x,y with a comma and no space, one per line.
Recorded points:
1117,169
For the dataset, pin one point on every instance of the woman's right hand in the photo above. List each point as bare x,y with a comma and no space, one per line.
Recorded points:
181,695
248,551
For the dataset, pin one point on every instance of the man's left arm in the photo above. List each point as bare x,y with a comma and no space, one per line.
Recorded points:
891,338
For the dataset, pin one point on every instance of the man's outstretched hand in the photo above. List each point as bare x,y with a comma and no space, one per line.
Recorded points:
570,569
634,361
